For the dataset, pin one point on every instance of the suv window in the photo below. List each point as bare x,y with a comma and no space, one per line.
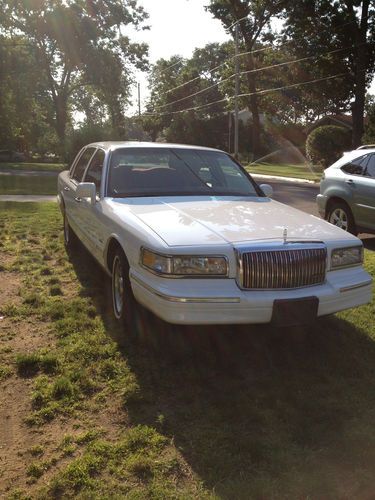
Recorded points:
94,172
357,166
82,164
370,170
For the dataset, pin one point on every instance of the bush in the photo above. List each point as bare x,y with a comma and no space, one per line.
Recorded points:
326,144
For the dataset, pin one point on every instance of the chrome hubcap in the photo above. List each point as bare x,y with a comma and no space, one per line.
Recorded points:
339,218
117,287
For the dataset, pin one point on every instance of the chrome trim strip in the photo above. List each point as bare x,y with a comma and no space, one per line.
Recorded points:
365,206
354,287
185,300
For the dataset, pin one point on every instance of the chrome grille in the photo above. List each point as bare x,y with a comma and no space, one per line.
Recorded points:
282,268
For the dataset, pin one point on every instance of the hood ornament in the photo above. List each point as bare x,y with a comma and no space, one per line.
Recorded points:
285,234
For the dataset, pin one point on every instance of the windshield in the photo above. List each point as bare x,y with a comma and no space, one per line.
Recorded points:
175,171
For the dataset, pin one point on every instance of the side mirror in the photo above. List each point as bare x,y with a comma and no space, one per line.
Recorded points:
267,190
87,190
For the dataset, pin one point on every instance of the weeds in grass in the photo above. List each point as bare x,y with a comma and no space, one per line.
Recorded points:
30,364
55,290
5,372
27,364
36,451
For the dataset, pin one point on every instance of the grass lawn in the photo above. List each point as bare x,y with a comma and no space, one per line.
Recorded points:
20,184
285,170
165,411
36,167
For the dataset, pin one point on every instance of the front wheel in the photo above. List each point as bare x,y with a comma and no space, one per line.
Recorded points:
70,239
340,215
123,302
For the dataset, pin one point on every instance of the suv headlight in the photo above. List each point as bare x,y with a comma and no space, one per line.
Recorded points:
184,265
345,257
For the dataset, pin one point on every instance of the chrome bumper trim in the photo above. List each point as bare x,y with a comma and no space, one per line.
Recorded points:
354,287
173,298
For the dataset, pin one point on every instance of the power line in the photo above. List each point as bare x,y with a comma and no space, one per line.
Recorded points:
257,70
259,92
214,69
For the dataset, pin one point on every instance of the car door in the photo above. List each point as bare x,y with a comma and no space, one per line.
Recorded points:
351,182
365,197
91,214
72,202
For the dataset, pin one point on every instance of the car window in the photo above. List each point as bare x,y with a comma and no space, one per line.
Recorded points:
94,172
370,170
357,166
176,171
82,164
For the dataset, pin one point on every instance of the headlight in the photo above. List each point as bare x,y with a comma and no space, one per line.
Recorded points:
345,257
184,265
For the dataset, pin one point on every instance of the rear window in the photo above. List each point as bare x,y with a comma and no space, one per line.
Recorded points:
357,166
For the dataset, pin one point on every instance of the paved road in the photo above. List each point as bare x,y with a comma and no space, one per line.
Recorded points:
301,196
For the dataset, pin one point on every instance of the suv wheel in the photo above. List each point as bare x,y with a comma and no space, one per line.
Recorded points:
340,215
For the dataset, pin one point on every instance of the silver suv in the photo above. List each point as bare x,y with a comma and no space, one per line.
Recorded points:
347,191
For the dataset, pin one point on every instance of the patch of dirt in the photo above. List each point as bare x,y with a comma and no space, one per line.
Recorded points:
9,286
5,260
16,437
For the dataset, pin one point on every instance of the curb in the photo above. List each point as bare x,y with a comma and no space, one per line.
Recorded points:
28,197
285,179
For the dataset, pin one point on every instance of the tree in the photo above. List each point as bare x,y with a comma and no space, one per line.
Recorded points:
77,44
326,144
369,137
253,18
177,85
23,125
319,26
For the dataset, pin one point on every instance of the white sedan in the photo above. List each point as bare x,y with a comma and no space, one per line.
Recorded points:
186,232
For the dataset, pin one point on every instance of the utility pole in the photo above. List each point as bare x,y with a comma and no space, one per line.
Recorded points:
229,131
237,89
139,99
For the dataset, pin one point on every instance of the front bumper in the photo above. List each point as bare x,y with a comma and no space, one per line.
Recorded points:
220,301
321,201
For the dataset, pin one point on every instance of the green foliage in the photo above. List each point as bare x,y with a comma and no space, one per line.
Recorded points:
369,137
341,36
72,46
326,144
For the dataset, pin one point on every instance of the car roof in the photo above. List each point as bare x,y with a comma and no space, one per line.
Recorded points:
350,155
112,145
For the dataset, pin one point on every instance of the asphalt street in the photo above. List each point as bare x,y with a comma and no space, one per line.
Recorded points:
301,196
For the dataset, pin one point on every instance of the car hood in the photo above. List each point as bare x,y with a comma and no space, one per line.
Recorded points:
184,221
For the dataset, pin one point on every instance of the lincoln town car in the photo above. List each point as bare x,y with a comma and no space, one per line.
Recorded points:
186,232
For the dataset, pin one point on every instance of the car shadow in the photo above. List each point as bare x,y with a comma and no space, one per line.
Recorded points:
369,243
250,407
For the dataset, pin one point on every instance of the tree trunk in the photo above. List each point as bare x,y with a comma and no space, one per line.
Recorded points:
61,107
358,108
253,107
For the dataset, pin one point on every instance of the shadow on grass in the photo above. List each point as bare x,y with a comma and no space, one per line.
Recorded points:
256,412
369,243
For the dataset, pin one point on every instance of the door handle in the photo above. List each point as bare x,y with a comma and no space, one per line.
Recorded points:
350,181
66,188
77,199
